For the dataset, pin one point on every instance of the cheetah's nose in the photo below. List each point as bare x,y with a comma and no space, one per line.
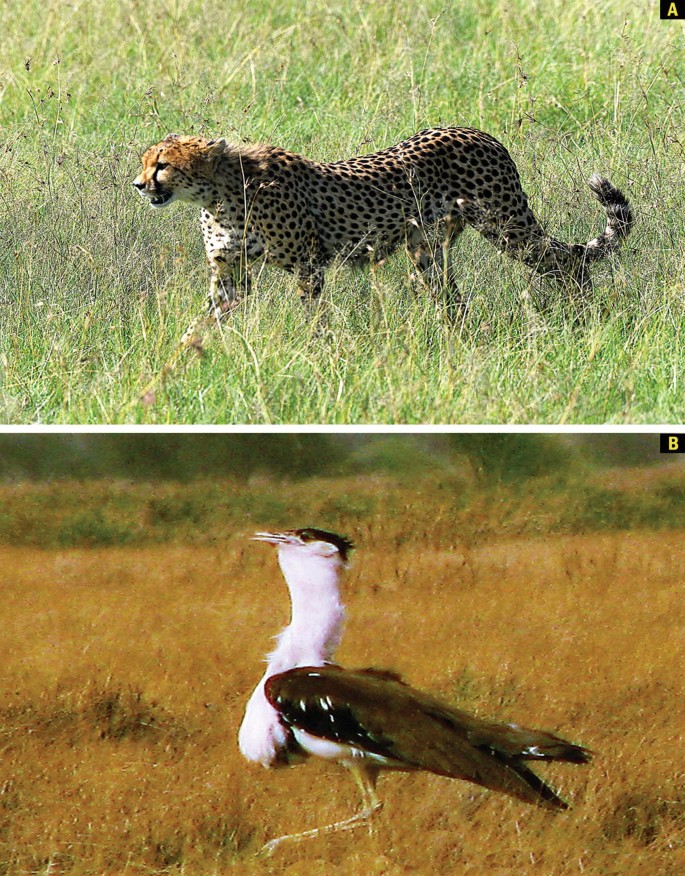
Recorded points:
138,184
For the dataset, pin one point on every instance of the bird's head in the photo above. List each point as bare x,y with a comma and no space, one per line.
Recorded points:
308,543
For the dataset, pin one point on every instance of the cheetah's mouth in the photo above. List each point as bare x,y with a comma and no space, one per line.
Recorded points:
161,200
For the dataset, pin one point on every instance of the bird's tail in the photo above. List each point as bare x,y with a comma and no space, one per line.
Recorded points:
513,740
529,787
511,745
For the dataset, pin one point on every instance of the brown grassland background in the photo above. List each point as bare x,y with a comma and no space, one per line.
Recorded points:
125,671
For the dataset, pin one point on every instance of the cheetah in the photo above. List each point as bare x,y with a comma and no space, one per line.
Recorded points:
264,202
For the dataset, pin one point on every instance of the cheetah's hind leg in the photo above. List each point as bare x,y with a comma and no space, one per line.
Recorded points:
430,252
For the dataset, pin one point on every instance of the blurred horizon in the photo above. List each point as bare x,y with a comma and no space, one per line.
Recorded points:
182,457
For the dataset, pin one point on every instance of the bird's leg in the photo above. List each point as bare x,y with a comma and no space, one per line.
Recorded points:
365,778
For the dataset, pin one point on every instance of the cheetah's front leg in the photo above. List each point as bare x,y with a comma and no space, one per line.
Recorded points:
228,286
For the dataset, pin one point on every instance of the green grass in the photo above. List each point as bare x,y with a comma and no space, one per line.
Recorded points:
96,290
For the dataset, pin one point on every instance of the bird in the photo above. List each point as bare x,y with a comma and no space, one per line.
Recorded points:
370,720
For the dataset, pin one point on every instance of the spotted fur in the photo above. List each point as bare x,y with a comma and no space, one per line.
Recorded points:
264,202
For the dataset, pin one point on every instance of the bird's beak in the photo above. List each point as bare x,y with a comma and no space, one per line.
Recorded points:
271,537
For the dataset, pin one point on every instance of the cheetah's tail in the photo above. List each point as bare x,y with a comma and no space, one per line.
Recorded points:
619,218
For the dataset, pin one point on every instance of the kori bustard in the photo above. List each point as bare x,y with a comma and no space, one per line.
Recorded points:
366,719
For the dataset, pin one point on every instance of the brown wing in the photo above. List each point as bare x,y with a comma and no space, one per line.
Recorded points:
381,715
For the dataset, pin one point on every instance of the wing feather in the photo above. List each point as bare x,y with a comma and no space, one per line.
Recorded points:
381,715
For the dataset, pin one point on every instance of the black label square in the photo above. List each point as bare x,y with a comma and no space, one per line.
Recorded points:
673,443
672,9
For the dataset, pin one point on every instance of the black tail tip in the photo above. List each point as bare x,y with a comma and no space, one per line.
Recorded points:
614,202
605,193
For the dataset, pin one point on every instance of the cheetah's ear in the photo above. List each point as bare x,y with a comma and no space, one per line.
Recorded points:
216,147
171,137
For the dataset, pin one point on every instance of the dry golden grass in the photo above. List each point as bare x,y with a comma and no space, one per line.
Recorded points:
126,669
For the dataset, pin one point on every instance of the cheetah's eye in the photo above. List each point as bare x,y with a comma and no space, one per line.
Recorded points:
162,165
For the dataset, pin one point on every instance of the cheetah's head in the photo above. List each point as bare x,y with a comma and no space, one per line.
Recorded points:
179,168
